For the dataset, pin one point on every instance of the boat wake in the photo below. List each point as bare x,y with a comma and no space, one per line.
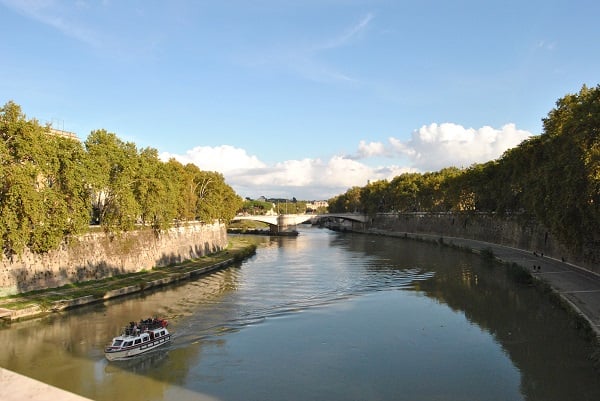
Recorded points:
203,319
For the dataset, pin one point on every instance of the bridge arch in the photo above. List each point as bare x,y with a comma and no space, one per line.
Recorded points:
285,224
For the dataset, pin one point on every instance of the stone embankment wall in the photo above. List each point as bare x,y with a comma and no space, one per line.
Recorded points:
512,231
97,255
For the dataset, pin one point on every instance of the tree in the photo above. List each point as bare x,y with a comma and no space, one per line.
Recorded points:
216,199
69,176
40,190
375,197
349,202
182,189
254,207
571,141
154,191
112,164
51,187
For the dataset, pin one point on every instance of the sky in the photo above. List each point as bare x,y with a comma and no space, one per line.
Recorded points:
300,98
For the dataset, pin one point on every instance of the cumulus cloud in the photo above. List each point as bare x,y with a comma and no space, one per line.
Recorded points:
371,149
307,179
223,159
435,146
429,148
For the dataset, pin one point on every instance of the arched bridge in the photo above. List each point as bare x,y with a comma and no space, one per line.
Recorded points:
286,223
358,217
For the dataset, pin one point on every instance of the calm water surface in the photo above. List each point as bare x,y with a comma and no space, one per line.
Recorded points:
324,316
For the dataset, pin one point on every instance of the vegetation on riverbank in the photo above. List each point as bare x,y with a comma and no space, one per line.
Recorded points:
553,178
238,250
52,187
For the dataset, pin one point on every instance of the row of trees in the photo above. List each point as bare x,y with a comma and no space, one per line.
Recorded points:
52,187
553,177
280,206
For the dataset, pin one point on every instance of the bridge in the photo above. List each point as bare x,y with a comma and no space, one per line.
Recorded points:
286,223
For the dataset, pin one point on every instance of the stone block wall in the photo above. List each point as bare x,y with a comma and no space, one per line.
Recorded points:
514,231
97,255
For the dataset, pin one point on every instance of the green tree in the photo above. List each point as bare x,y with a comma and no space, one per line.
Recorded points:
40,199
50,186
404,191
216,199
375,197
349,202
69,175
182,189
571,141
112,165
155,191
254,207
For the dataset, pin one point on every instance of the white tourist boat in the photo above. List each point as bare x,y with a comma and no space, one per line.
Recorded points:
138,338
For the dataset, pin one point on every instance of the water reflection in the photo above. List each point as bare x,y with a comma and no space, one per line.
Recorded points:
537,335
279,307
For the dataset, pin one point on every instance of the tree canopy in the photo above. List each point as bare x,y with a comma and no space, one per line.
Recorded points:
53,187
553,177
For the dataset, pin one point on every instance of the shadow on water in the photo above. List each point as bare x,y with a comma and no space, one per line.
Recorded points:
143,364
538,335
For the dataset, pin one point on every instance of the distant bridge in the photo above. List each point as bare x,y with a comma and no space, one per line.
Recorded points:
358,217
286,223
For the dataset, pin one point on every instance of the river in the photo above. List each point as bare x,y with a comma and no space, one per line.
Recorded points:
324,316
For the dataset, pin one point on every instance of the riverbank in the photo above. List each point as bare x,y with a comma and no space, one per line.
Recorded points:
16,387
37,303
576,289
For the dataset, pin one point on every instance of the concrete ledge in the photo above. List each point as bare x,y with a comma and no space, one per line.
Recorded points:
70,303
16,387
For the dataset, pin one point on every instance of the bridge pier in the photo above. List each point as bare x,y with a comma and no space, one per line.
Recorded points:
286,225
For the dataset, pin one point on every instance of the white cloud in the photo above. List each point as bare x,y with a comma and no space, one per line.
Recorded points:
306,179
435,146
430,148
371,149
223,159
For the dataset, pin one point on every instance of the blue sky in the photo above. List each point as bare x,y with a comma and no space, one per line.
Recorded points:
300,98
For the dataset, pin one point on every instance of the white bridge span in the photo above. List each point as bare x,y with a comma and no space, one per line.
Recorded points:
288,222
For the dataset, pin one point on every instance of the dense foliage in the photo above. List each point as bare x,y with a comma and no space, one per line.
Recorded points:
256,207
275,206
52,187
553,177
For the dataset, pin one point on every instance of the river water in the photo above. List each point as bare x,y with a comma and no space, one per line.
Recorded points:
324,316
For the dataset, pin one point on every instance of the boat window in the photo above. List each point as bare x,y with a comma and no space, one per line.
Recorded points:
117,343
162,333
128,343
138,340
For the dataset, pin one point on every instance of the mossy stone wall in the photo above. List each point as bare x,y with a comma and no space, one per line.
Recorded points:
515,231
98,255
